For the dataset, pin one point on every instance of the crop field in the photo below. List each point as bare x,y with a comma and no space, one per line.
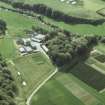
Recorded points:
90,76
33,70
89,91
83,85
97,60
54,93
101,58
101,48
57,91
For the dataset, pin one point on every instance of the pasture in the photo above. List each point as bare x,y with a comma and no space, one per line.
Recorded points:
82,29
28,22
101,12
18,23
79,87
86,10
7,48
33,70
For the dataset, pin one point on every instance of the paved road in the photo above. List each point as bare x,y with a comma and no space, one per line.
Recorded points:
37,89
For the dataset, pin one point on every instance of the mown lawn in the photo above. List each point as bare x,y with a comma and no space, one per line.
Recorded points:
34,69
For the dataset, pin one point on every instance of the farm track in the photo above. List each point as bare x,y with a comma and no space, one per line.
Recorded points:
41,85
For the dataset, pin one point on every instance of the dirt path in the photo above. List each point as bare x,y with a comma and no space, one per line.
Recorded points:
37,89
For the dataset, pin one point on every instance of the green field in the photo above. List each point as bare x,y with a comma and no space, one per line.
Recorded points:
18,23
34,69
54,93
89,75
101,58
62,89
7,48
16,26
82,29
79,89
101,47
65,89
87,10
90,7
101,12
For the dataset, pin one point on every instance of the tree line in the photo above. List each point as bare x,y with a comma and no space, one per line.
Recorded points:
7,1
3,27
54,14
8,88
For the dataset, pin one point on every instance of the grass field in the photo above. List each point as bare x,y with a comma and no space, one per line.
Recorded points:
7,48
101,58
97,60
83,29
17,23
101,48
89,75
63,89
87,10
54,93
34,69
62,86
101,12
16,26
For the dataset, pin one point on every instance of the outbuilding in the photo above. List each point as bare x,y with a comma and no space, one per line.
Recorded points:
40,36
45,48
28,49
22,50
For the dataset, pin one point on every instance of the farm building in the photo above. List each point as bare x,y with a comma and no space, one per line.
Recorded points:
22,50
40,36
26,41
33,45
28,49
35,40
45,48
